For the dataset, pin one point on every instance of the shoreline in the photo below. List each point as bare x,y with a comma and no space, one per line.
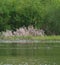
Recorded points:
29,41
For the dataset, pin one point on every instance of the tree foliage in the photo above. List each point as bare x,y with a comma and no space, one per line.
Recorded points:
43,14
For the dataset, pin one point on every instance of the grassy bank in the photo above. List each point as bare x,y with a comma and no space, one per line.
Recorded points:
31,38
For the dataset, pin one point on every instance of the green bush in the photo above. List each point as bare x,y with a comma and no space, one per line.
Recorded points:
43,14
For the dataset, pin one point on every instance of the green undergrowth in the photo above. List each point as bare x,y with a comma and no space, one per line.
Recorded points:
30,38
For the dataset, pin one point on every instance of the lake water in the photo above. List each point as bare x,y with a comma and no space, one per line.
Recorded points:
30,54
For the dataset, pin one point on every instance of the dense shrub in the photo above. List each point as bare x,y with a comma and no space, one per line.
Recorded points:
43,14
